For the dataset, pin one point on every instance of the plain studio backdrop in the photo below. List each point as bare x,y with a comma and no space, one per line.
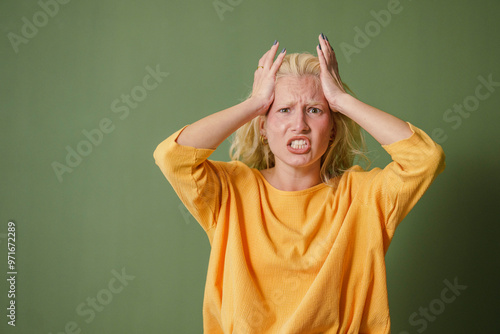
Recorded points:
90,88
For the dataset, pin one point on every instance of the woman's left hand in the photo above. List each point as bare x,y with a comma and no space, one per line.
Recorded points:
329,76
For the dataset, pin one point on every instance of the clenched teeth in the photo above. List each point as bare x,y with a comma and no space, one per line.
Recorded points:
298,144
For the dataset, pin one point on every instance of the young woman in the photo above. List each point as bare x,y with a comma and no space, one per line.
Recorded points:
298,234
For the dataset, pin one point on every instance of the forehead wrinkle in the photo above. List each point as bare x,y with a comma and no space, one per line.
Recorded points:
308,103
305,90
298,89
302,96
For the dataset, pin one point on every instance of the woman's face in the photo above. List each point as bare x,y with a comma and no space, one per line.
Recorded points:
299,123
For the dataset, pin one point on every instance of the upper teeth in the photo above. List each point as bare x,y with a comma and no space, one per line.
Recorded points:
298,143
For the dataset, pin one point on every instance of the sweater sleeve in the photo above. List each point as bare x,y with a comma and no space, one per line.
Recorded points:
394,190
195,179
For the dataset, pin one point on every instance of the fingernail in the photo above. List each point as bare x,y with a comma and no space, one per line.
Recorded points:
322,36
327,38
283,51
275,41
319,46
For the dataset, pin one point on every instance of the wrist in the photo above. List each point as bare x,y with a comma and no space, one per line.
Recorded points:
257,105
341,102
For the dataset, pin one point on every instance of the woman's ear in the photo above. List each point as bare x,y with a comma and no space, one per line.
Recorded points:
262,125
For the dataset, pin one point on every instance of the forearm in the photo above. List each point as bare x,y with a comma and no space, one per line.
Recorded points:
384,127
209,132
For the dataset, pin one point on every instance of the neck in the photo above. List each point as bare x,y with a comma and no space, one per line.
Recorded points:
288,178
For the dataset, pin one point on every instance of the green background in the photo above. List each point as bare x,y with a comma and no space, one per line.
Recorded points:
115,210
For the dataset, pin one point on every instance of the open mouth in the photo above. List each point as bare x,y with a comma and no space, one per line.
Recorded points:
299,145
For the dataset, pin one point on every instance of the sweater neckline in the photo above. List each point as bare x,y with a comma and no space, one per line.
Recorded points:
289,192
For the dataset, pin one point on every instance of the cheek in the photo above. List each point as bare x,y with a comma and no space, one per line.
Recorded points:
324,131
275,136
274,128
323,144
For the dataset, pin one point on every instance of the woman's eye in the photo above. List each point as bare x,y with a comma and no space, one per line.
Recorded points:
314,111
283,110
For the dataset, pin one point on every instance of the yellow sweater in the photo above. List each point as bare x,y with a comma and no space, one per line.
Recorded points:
308,261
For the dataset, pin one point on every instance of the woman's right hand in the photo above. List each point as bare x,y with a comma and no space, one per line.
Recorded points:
265,78
210,131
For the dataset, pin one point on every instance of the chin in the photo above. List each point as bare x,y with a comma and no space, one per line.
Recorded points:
299,161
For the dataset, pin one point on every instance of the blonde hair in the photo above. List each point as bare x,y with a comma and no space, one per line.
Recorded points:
348,142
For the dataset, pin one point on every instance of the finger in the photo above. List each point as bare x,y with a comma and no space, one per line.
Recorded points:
323,38
324,51
277,63
321,58
322,42
329,53
324,68
269,57
329,44
323,61
263,58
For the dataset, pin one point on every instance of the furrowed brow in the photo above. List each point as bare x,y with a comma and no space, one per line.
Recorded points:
315,103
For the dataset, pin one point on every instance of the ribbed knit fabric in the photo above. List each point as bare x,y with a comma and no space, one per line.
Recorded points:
308,261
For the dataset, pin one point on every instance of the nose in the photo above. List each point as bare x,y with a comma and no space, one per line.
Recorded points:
299,121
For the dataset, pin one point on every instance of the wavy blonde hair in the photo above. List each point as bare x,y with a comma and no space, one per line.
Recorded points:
348,143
